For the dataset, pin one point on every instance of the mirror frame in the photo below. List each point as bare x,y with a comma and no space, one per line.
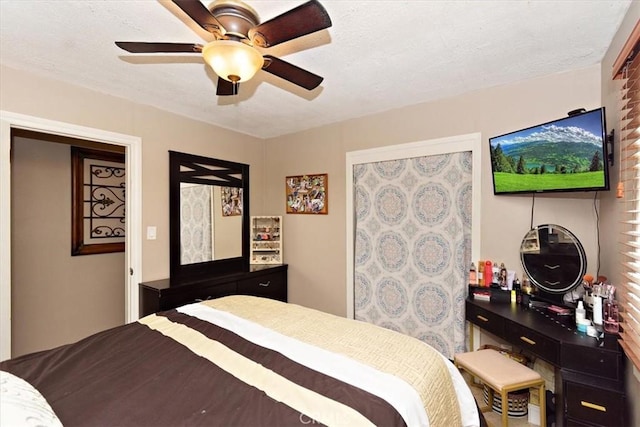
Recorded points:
192,168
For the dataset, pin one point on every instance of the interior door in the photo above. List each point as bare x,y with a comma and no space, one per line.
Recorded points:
9,122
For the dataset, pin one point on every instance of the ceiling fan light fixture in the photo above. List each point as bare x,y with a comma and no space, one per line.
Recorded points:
232,60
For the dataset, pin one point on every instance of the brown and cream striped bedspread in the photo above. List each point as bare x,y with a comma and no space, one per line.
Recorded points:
243,361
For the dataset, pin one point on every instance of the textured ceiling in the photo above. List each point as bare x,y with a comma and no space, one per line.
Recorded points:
377,56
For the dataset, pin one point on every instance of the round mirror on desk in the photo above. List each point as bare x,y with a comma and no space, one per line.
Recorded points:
553,259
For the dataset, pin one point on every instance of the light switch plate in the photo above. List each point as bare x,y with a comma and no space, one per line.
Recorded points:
151,232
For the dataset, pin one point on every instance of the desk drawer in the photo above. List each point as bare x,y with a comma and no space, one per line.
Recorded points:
187,294
534,342
272,285
592,361
593,406
485,319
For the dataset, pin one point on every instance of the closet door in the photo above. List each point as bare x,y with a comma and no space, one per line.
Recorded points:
412,246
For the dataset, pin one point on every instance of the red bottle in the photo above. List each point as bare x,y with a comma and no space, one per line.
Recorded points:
488,273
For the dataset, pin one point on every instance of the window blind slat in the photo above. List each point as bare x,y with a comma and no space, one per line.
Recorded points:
631,339
629,333
629,124
632,255
634,245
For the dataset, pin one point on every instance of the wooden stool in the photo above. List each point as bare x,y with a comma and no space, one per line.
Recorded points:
501,374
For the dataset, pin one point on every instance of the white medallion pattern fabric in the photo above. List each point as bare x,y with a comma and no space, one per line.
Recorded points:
195,224
21,405
413,246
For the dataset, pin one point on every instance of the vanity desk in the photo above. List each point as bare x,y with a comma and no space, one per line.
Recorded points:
269,281
589,374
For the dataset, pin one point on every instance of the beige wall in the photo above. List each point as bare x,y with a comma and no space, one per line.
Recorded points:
160,131
56,298
315,245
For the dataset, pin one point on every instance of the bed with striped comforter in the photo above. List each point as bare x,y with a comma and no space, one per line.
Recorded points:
245,361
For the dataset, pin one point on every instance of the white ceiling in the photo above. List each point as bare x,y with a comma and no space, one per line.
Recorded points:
377,56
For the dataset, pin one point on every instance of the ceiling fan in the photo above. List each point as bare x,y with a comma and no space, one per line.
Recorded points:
237,30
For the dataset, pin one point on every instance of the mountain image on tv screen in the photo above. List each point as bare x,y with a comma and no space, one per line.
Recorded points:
563,155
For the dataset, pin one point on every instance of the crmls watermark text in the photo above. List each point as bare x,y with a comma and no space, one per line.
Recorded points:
306,420
328,419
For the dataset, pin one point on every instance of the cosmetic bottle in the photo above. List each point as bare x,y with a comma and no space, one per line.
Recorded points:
473,277
597,310
488,273
515,286
581,313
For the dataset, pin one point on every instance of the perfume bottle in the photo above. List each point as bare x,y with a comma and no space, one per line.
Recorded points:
515,286
473,277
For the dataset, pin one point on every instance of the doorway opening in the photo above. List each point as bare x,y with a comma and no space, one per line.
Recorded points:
10,122
59,294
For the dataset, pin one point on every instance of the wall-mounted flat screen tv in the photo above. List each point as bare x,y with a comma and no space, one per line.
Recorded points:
568,154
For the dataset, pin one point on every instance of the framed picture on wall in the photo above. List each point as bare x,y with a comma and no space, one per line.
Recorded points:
98,185
231,201
307,194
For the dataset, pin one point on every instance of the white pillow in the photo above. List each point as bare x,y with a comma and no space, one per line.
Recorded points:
21,405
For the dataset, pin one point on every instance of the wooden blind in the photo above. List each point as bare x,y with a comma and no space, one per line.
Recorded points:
628,192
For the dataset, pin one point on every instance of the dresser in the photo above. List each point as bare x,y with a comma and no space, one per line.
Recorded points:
589,374
269,281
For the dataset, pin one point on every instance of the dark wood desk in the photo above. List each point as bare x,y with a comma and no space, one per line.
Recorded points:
589,384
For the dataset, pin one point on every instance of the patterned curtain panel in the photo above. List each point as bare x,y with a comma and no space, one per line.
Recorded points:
195,224
413,246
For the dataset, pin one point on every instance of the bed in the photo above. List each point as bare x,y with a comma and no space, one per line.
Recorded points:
237,361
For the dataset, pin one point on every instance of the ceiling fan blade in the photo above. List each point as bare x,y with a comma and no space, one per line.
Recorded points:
226,88
143,47
200,14
290,72
304,19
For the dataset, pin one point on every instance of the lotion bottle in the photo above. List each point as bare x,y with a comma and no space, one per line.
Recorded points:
597,310
581,313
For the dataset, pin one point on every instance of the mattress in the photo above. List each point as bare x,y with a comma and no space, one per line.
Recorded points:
242,361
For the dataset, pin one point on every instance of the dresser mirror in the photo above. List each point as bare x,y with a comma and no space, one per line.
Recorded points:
209,217
553,259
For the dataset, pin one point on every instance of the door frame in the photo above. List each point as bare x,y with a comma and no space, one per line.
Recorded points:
470,142
133,206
